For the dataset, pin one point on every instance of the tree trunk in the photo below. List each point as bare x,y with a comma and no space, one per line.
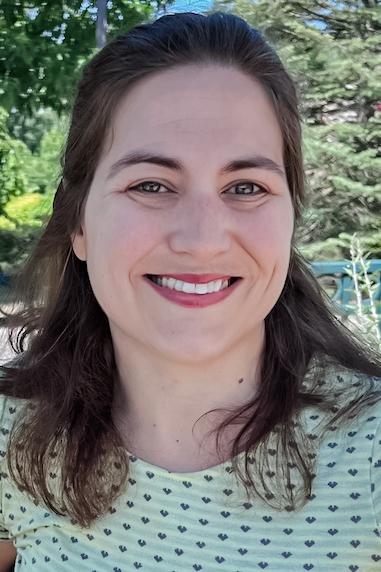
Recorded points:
101,23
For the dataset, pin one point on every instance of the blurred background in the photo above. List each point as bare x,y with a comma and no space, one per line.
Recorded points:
332,50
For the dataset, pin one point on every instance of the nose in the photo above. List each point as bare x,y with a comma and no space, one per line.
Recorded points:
202,228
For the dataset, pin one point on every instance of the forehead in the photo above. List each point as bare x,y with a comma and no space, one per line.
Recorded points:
206,108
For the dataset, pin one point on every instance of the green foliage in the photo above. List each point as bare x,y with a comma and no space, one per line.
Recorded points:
30,128
43,46
332,51
40,60
27,185
43,169
22,171
14,247
29,210
330,48
25,216
13,156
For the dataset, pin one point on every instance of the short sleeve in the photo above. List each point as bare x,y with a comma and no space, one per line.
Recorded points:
375,475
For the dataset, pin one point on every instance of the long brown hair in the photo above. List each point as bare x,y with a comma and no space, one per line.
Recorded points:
65,367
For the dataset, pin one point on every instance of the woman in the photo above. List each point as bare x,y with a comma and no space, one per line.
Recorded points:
187,400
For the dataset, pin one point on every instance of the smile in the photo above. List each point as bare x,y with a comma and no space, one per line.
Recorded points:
190,287
190,294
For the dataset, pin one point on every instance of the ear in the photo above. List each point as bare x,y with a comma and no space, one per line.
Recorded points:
78,241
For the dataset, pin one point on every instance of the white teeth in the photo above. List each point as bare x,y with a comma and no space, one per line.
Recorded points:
191,288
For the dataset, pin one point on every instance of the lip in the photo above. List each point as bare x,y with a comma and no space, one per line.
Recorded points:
197,278
193,300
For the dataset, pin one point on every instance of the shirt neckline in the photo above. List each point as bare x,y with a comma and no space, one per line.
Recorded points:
144,466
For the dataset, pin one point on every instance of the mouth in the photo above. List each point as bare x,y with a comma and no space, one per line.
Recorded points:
193,295
154,278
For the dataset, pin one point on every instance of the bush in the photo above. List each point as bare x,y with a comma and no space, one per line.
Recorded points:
25,216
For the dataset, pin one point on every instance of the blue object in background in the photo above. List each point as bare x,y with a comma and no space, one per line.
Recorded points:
198,6
344,296
4,279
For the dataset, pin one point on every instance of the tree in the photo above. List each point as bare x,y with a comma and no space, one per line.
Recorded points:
28,182
43,45
14,154
101,23
332,49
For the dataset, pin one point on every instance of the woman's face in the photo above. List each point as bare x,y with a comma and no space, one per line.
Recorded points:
196,218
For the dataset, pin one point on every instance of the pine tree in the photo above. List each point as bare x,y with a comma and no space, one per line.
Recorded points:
332,49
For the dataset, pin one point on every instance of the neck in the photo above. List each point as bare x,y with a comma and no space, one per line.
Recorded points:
164,411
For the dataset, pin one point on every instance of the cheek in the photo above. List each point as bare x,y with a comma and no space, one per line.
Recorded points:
120,237
270,230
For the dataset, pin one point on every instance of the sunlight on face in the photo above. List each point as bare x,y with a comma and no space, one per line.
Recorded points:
196,218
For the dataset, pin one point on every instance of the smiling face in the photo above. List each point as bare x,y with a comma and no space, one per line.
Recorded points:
197,218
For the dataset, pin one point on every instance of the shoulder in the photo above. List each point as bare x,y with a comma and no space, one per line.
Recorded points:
363,393
358,431
335,375
355,405
10,410
348,433
343,386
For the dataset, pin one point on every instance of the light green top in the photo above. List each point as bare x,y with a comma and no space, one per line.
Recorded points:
186,522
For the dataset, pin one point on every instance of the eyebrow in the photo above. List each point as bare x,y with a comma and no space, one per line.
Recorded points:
135,157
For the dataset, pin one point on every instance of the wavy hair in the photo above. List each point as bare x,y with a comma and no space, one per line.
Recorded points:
65,367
